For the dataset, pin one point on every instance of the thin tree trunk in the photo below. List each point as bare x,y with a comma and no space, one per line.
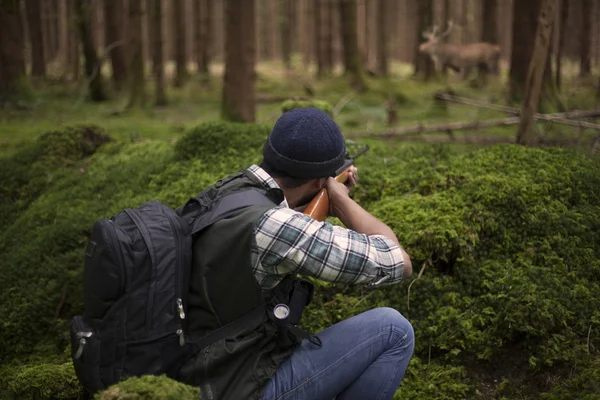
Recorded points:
157,52
286,33
489,31
63,45
239,79
562,31
525,20
537,66
14,83
114,20
383,7
73,45
198,14
352,64
319,37
271,34
327,23
92,62
181,72
424,14
207,39
34,25
136,56
585,57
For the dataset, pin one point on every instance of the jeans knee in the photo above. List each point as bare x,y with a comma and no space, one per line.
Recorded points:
402,332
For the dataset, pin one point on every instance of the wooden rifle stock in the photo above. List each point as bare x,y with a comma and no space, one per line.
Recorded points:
318,208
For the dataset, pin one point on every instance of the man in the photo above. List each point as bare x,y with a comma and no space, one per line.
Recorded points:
362,357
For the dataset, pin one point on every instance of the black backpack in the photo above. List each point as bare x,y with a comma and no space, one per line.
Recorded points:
136,273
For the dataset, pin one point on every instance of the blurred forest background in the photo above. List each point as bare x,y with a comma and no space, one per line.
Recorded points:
482,117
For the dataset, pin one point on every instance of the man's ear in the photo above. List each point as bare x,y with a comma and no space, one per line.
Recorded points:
319,183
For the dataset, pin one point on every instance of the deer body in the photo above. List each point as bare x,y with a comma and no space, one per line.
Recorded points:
461,58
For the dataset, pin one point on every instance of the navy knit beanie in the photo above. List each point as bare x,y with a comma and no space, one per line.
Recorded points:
305,143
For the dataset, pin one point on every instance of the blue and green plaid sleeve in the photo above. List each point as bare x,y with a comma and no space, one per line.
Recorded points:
287,241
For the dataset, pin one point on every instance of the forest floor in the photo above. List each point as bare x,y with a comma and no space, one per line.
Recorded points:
59,102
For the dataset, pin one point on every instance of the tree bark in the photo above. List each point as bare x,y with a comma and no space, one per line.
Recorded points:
525,20
585,56
198,13
157,53
423,64
73,41
63,45
181,72
34,27
92,62
271,34
114,20
383,7
564,15
239,79
207,36
286,33
14,83
489,31
351,53
537,66
136,56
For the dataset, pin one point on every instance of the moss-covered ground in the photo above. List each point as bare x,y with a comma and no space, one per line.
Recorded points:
507,238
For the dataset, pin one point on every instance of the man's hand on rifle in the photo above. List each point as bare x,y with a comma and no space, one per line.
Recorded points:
338,192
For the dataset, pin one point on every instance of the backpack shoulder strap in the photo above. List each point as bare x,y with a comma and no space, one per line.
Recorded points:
222,207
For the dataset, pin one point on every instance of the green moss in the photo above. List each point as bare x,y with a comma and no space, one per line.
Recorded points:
149,388
320,104
42,381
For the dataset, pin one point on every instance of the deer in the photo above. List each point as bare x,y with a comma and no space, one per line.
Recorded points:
460,58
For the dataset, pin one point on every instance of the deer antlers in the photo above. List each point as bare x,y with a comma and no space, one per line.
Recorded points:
433,35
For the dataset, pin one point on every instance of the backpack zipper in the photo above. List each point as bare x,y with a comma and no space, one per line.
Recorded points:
178,279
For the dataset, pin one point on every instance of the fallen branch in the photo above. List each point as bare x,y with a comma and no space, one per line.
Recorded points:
420,128
515,111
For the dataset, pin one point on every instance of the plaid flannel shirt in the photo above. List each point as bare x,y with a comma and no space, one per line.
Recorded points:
286,241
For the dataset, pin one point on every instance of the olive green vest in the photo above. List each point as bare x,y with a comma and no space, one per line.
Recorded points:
222,289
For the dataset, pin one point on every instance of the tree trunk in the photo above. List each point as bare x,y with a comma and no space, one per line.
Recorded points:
157,52
327,23
585,56
92,62
537,66
239,79
319,37
423,64
383,7
562,34
63,45
197,15
207,36
352,64
489,31
114,20
181,72
136,56
271,31
525,20
73,45
286,33
34,26
14,83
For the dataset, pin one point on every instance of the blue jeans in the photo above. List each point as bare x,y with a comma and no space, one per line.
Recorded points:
363,357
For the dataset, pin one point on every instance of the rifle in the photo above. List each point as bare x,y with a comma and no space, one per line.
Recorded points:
318,208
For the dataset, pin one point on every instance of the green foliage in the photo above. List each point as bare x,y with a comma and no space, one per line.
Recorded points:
433,381
41,381
149,388
320,104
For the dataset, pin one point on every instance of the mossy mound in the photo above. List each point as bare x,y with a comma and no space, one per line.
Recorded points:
41,381
26,174
320,104
149,388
